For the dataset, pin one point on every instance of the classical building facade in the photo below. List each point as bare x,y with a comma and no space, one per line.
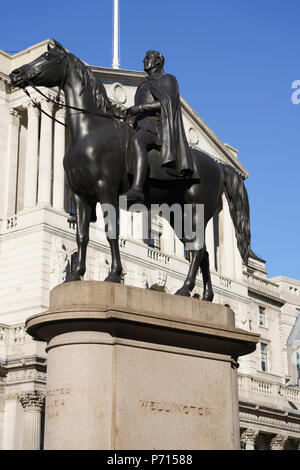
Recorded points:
38,250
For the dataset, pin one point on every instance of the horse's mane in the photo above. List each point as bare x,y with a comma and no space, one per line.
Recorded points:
88,78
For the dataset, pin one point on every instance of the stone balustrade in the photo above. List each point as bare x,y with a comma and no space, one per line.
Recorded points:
158,256
265,388
261,282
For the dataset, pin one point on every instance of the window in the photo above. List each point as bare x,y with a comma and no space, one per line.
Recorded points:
264,356
262,316
297,312
297,360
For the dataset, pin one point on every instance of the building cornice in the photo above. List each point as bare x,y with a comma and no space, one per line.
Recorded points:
26,51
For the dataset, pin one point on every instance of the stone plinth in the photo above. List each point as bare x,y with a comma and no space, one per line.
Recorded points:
130,368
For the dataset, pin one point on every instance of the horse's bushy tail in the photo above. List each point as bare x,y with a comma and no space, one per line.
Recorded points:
238,202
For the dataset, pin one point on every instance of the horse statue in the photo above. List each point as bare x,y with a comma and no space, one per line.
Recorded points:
96,170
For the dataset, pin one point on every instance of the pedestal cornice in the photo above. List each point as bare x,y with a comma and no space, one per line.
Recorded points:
165,319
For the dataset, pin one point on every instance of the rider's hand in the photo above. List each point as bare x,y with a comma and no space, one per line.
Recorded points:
134,111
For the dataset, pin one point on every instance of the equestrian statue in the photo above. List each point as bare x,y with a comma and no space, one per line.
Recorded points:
147,162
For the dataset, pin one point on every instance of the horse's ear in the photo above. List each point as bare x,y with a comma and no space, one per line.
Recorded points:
59,45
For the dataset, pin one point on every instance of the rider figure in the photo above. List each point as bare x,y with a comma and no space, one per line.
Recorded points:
158,123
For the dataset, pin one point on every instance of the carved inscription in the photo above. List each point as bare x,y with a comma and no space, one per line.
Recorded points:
55,400
171,407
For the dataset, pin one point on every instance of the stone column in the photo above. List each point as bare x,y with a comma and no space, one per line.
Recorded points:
59,152
12,163
33,404
248,438
10,423
31,167
45,166
278,442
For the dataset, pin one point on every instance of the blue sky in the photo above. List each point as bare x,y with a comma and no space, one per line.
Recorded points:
235,62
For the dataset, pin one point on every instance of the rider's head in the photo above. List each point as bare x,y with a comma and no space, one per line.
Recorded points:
153,59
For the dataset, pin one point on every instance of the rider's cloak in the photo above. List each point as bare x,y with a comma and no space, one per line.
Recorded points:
174,146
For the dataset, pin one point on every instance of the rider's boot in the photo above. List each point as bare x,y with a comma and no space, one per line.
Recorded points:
136,194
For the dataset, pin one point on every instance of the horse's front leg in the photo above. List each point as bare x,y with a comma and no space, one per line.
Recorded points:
108,198
83,217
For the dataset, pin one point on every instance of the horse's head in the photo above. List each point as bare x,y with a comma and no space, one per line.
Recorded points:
47,70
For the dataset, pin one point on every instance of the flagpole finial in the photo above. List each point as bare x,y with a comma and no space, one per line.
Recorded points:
116,36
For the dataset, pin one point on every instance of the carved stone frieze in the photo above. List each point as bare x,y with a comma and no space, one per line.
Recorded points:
23,375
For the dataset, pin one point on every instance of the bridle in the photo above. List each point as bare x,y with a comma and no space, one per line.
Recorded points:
58,102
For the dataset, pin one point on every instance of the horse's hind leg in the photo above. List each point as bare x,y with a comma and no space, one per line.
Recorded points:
83,217
190,281
208,293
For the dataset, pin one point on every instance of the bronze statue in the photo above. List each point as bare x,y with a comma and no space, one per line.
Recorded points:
158,125
95,163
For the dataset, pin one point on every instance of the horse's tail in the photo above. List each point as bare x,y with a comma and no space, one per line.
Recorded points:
238,202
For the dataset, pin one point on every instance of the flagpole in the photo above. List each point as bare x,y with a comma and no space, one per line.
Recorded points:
116,24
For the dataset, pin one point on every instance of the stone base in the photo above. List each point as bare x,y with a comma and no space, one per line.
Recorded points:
130,368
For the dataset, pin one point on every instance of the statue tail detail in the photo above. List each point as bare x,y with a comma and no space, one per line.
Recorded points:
238,202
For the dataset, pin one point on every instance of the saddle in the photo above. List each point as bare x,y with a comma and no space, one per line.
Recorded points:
156,171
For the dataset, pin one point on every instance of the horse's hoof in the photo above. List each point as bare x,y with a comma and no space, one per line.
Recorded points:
184,292
74,277
72,220
208,296
113,277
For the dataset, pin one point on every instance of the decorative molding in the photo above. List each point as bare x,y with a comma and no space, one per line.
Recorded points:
14,117
193,137
119,93
265,298
25,375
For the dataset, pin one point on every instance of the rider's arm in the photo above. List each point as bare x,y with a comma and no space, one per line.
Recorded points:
143,108
155,106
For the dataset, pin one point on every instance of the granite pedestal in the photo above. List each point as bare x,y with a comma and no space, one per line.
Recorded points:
130,368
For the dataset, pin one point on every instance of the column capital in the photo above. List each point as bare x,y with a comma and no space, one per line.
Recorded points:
47,105
61,113
278,442
249,435
32,401
32,109
14,116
